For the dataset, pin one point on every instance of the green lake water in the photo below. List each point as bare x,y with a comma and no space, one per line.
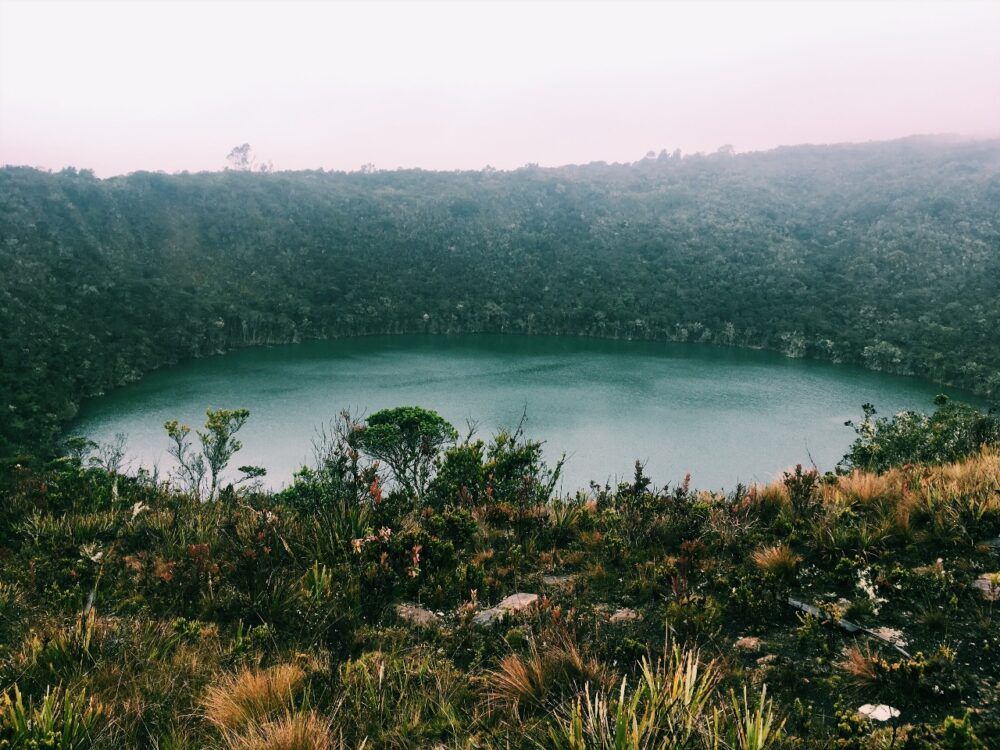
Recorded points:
724,415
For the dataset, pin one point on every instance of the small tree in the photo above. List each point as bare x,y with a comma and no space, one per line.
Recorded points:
408,440
218,446
243,159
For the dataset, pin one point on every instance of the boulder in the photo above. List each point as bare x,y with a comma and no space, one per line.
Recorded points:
748,643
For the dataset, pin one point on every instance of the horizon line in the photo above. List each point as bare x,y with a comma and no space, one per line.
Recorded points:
651,155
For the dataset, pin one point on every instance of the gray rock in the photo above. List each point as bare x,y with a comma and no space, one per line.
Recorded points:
892,636
513,603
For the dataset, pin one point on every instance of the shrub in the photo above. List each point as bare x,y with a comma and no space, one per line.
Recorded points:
954,430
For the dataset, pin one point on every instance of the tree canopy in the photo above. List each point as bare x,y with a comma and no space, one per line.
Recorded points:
408,439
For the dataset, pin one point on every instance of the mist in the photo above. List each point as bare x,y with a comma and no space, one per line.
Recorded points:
119,87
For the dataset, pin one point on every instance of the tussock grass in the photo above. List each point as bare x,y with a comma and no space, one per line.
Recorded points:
779,560
524,682
251,695
301,730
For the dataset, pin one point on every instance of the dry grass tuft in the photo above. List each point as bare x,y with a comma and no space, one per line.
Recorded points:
865,488
250,696
862,666
304,730
778,561
529,681
770,499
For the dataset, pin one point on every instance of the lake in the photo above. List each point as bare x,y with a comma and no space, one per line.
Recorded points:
724,415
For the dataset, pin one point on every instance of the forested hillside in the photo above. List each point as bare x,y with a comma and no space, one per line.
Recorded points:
884,254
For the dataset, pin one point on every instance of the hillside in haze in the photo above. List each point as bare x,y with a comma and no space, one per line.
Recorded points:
883,254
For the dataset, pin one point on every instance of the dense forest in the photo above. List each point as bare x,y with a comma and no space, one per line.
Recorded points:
883,254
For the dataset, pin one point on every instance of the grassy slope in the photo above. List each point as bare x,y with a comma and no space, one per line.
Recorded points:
247,624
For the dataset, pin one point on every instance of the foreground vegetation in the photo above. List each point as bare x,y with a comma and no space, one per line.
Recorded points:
882,254
357,608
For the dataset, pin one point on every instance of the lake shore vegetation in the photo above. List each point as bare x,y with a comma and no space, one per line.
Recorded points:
418,588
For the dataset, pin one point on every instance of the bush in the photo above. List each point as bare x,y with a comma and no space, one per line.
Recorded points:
954,431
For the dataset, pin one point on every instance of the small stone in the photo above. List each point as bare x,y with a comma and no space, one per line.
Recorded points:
517,602
989,584
513,603
891,635
767,660
748,643
417,616
625,614
880,712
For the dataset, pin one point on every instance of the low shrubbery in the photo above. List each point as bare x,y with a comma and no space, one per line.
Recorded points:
133,614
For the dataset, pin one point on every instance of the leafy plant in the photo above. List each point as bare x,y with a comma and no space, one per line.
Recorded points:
60,721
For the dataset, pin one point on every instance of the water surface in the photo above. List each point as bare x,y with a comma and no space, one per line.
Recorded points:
724,415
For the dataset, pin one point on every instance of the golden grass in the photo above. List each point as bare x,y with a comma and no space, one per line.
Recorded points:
778,560
250,696
304,730
865,488
770,499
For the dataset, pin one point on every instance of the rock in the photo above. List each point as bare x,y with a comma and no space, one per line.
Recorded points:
891,636
513,603
625,614
767,660
748,643
989,584
417,616
517,602
880,712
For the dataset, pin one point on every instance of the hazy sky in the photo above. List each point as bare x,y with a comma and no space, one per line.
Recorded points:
121,86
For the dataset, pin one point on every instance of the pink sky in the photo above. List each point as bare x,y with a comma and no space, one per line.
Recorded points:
122,86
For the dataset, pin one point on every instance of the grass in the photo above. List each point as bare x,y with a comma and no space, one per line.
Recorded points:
303,730
778,560
251,695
